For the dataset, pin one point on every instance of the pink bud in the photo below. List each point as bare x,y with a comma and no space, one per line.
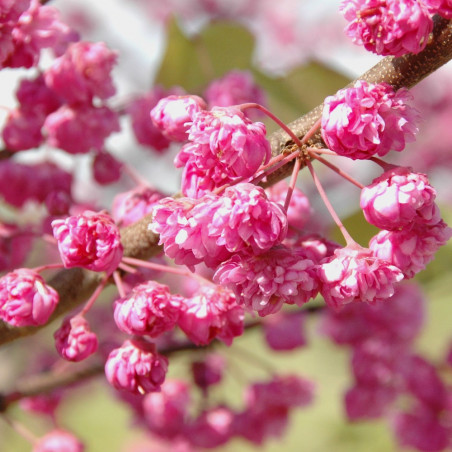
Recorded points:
73,340
26,299
58,441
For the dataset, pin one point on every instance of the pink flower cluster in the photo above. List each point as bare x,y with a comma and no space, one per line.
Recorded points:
26,299
368,119
27,28
214,227
355,275
58,441
391,27
441,7
90,240
402,203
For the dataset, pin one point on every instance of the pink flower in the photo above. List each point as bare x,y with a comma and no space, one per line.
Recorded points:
146,132
391,27
20,183
74,340
212,428
58,441
83,72
22,130
367,119
26,299
355,275
106,168
37,28
211,228
263,283
227,136
299,210
234,88
441,7
166,412
90,240
397,198
411,249
131,206
212,313
15,244
209,371
173,115
42,404
285,331
136,367
79,129
150,309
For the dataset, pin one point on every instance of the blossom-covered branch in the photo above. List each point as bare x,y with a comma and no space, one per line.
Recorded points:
75,286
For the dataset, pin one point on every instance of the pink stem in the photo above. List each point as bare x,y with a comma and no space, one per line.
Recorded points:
127,268
283,126
330,208
312,131
21,430
134,175
49,238
165,268
281,163
293,181
47,267
386,166
338,171
119,284
94,296
322,151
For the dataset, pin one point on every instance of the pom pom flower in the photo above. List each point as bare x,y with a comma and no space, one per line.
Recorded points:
90,240
367,119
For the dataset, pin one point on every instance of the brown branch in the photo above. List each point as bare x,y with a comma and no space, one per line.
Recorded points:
76,285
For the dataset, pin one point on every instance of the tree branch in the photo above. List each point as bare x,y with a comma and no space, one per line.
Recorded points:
76,285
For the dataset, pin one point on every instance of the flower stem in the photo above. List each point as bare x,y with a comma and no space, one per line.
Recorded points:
386,166
21,430
281,163
348,238
119,284
293,181
95,295
337,170
48,267
165,268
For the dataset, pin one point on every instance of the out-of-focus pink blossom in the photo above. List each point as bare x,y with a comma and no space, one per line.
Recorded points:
285,331
227,136
83,72
20,183
263,283
37,28
15,243
367,119
173,115
392,27
26,299
166,412
398,320
214,227
150,309
234,88
131,206
22,130
136,367
212,313
357,275
299,210
423,429
412,248
42,403
79,129
90,240
74,340
106,168
315,247
209,371
58,441
441,7
139,109
397,198
212,428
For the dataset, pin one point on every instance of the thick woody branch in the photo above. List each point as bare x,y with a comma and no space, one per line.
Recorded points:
76,285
